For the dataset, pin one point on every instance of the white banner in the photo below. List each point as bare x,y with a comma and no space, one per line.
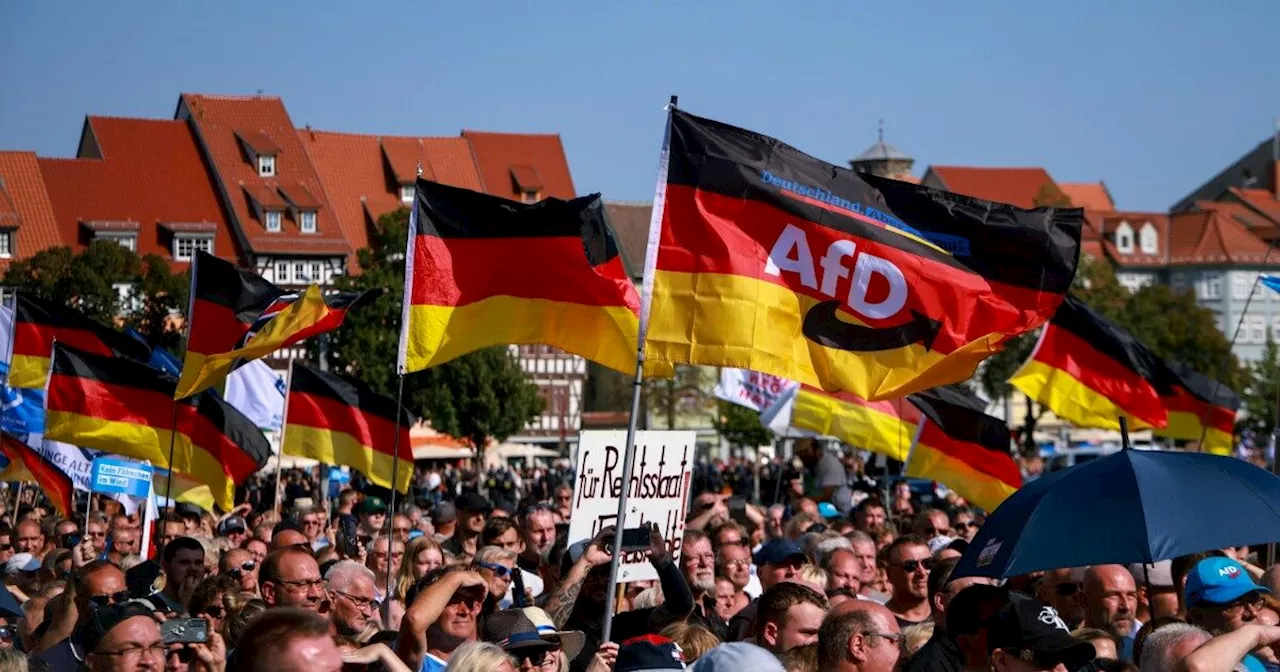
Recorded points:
658,490
752,389
257,391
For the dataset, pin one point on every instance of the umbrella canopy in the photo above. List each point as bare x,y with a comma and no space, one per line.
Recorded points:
1129,507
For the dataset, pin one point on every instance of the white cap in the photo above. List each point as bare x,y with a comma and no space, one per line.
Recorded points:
22,562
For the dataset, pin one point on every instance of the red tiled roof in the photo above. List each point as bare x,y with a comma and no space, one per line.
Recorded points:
1109,222
1088,195
299,197
264,196
258,142
25,204
630,223
150,173
362,187
217,120
1213,236
1016,186
1261,200
498,153
526,178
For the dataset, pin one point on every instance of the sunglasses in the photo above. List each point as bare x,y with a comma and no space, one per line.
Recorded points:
535,655
1067,589
912,565
500,571
8,631
972,524
245,568
101,601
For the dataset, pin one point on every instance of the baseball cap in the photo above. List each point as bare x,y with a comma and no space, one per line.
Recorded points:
1032,631
778,551
1161,573
649,652
1218,581
232,524
515,629
189,510
444,512
22,562
100,622
828,510
472,501
372,505
939,542
737,657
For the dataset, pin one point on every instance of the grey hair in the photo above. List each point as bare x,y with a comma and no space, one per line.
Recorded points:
1157,651
859,537
345,572
478,657
494,554
827,547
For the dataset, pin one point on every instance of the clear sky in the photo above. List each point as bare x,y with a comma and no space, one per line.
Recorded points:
1151,96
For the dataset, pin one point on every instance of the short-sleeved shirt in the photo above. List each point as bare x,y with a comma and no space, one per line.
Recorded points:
432,664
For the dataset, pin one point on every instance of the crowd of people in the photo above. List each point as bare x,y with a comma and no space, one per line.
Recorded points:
449,580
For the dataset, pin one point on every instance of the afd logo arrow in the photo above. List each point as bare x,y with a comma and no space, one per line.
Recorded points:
823,326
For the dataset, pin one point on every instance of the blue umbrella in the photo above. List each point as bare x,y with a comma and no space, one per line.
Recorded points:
1129,507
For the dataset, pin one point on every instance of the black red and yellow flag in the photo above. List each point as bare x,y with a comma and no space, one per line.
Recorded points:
1090,371
771,260
37,323
236,316
127,408
482,271
340,420
1200,409
963,448
885,427
56,483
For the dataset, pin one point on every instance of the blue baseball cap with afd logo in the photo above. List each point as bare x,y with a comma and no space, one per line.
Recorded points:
1218,581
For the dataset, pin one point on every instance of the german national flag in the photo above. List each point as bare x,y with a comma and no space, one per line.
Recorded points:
963,448
339,420
1090,371
1200,408
236,316
884,427
57,485
484,271
127,408
38,323
771,260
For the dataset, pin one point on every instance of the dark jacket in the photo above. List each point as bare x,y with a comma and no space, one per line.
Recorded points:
676,607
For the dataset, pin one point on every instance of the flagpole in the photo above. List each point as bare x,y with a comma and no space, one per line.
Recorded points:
629,454
395,472
284,422
173,435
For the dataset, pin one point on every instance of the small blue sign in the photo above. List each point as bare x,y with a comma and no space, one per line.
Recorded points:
337,475
115,476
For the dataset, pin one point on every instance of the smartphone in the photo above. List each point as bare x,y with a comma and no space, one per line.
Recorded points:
633,539
185,631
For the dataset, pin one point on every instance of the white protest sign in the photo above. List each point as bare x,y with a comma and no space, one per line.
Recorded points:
752,389
658,490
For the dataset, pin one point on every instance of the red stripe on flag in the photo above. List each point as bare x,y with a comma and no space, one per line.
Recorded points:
999,466
374,431
1063,350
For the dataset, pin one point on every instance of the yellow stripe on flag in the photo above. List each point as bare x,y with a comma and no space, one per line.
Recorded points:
1066,396
340,448
183,489
856,425
983,490
28,371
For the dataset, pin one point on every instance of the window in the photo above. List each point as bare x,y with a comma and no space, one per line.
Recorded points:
1124,238
1148,239
273,220
1275,326
308,222
406,193
1210,286
528,197
315,271
185,247
128,241
6,244
1242,284
1179,282
1254,329
266,165
282,273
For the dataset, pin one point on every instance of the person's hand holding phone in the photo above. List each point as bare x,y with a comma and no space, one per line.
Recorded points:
600,550
657,545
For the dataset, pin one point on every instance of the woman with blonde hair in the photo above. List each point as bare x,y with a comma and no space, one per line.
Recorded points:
480,657
693,640
421,555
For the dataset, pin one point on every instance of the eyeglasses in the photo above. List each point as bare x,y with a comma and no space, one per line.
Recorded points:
100,601
500,571
971,524
535,655
8,631
1067,589
136,650
304,584
736,563
399,530
362,603
893,637
1250,600
912,565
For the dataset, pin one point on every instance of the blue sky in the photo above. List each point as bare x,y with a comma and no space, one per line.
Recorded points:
1152,97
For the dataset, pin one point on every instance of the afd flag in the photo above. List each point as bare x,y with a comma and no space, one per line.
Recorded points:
21,410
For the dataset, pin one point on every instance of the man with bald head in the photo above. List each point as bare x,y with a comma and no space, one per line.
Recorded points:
290,577
1109,598
287,538
858,636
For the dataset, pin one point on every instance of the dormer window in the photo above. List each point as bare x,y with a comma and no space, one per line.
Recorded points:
307,221
266,165
527,181
1124,238
6,244
406,194
273,221
529,197
1148,240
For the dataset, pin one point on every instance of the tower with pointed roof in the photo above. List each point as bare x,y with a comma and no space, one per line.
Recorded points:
884,160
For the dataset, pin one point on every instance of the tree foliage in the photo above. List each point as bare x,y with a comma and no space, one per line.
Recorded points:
683,393
1258,401
481,396
88,282
740,426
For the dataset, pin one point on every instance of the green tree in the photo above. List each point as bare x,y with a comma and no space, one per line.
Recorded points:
684,392
1258,400
1177,328
741,427
481,396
